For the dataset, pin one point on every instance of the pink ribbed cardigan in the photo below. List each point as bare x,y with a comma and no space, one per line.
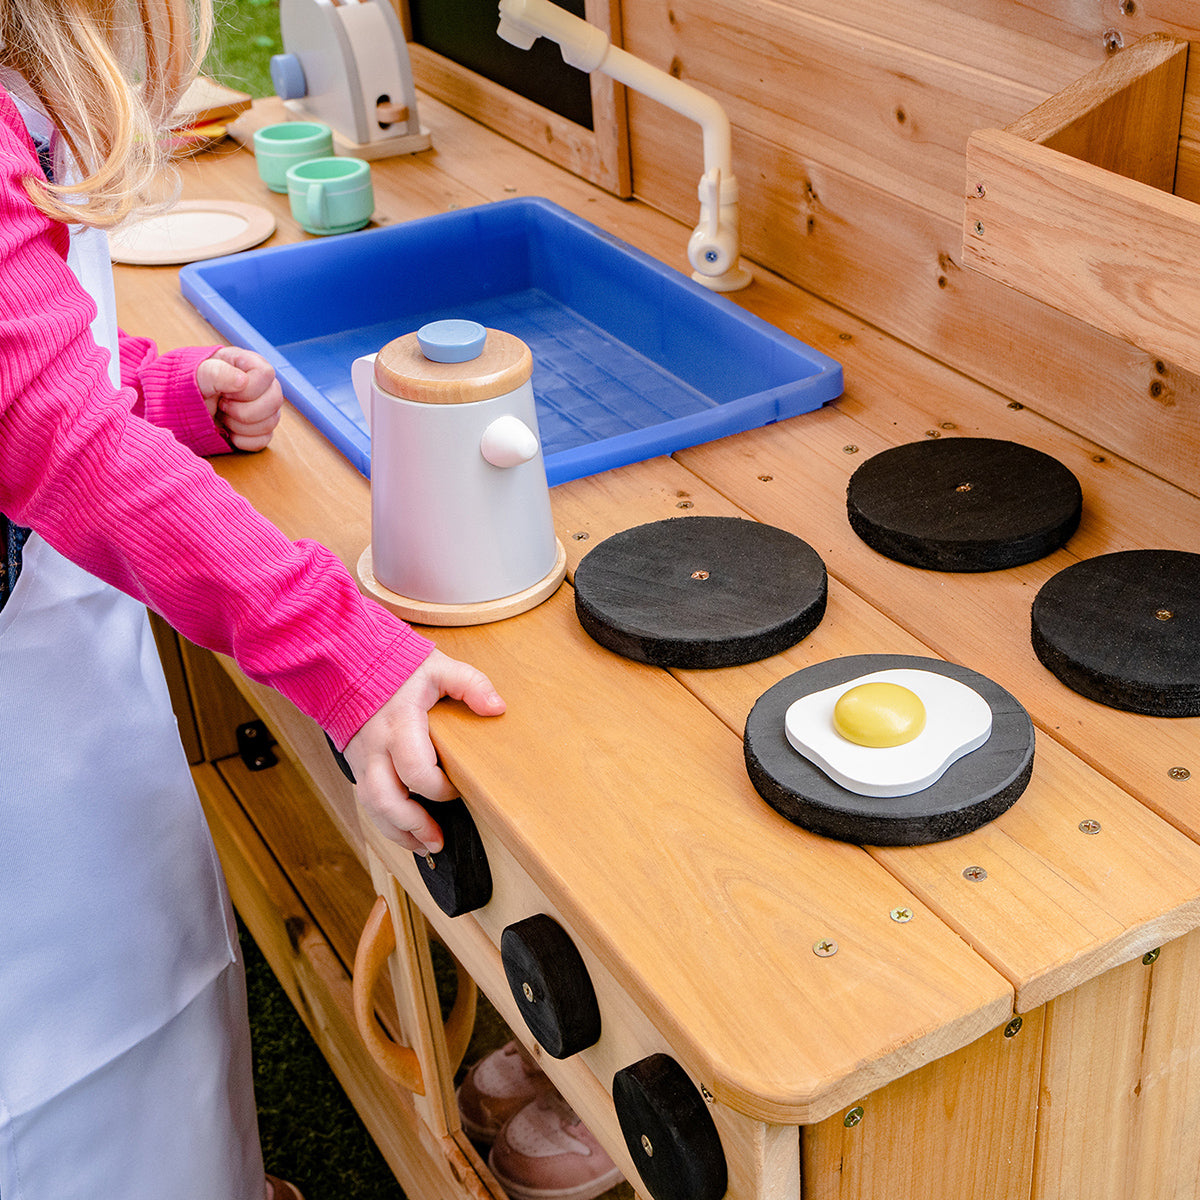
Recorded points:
112,480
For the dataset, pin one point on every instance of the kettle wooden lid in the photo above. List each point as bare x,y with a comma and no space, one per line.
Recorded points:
403,370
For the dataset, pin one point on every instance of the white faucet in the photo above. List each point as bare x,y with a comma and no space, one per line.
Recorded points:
713,247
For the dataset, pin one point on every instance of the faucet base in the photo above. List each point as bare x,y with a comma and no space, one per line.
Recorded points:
732,280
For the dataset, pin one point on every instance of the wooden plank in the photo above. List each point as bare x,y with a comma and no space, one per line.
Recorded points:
763,1160
220,709
307,750
891,114
322,867
715,987
1058,906
893,264
962,1126
1116,253
1120,1093
1123,117
428,1167
1167,1091
1136,752
414,988
167,641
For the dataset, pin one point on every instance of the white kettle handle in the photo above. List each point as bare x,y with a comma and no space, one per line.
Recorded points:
362,375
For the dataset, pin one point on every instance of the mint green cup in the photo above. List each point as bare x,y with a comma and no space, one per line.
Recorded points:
279,147
331,195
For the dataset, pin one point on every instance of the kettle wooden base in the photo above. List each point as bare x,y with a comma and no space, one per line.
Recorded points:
426,612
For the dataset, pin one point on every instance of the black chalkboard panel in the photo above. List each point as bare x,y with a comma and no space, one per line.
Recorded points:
465,32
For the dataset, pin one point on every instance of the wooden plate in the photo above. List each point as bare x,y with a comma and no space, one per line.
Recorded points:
190,231
963,504
1124,629
974,790
700,592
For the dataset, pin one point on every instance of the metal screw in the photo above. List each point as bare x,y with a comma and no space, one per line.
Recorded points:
980,190
1179,773
708,1096
711,256
933,433
850,449
1113,41
527,991
979,229
901,915
963,487
699,574
825,947
1150,957
948,425
974,874
1015,404
765,478
853,1117
1089,826
684,504
1013,1027
580,536
1163,614
647,1146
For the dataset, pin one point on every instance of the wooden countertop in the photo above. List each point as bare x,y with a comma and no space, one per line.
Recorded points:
621,788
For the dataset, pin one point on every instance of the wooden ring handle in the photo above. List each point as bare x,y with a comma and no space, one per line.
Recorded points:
398,1062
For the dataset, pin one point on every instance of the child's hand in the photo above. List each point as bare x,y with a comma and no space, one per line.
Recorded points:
242,394
392,755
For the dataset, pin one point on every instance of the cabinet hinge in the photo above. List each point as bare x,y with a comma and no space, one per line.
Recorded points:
254,742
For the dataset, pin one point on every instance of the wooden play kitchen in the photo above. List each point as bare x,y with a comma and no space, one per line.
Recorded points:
735,1004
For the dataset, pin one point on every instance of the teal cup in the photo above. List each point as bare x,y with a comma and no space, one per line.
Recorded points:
277,148
331,195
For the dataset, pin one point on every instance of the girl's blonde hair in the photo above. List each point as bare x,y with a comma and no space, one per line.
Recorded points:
109,74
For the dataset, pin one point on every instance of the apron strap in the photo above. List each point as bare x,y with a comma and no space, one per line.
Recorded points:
13,537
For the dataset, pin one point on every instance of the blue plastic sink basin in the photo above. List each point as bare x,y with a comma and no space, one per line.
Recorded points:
631,358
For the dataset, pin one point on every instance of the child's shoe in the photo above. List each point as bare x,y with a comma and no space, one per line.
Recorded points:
280,1189
497,1087
545,1152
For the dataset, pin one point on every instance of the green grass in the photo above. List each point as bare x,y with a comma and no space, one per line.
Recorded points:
245,36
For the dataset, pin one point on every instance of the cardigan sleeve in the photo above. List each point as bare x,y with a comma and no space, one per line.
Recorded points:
167,394
130,503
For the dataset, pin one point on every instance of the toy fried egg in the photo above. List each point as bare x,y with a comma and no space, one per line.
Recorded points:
890,733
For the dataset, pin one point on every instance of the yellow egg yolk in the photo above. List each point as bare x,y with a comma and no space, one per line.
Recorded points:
879,714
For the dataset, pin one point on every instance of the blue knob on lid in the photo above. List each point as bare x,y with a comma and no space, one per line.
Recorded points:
451,341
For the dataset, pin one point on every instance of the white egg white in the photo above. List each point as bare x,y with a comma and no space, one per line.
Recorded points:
957,720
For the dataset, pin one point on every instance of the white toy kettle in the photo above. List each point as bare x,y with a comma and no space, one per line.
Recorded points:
461,530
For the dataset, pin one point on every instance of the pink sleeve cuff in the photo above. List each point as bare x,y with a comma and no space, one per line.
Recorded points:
168,395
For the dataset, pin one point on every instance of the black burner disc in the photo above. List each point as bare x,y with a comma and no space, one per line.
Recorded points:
963,504
974,790
1124,629
700,592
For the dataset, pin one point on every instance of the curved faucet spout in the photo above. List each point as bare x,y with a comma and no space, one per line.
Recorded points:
713,248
